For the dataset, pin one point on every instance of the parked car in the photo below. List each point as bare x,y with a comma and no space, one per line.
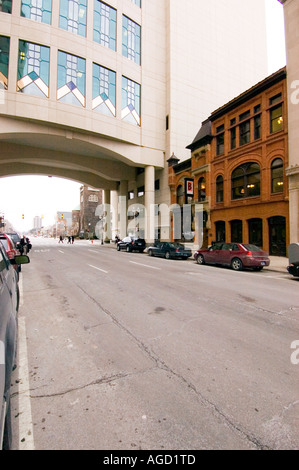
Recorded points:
235,255
131,244
10,248
169,250
9,304
15,237
293,267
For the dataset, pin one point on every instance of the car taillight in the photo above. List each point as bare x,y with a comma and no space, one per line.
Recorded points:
10,254
249,253
177,250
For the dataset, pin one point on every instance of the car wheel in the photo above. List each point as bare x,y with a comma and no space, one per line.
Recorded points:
118,248
167,255
128,249
200,259
237,264
150,252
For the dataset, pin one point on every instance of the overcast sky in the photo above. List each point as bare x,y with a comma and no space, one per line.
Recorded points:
44,196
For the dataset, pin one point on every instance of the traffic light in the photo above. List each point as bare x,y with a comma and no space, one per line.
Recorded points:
23,216
61,216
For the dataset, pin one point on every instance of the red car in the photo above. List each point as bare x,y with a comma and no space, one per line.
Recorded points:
235,255
10,248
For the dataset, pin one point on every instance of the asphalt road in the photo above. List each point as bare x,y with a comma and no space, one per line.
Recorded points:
121,351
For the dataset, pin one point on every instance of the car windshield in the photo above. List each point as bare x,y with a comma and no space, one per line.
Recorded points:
127,239
176,245
15,237
252,248
4,243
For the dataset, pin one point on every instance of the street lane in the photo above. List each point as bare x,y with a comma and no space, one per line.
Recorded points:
126,351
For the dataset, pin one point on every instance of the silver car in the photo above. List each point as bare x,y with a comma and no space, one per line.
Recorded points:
9,304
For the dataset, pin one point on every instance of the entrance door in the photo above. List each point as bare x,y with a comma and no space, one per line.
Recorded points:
256,232
277,236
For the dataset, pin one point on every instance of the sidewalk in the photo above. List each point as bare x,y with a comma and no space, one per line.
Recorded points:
278,263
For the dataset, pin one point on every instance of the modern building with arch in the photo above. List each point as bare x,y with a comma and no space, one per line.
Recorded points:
104,92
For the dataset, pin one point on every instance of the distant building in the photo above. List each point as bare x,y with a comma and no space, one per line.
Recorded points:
90,199
37,223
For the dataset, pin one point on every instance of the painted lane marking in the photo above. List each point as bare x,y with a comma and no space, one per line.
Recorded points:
98,269
61,252
26,439
145,265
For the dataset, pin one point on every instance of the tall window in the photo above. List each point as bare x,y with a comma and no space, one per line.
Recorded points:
137,2
37,10
103,90
5,6
277,176
180,195
4,60
201,189
219,189
233,134
131,106
220,140
131,40
276,118
244,128
257,122
104,25
246,181
71,79
73,16
33,69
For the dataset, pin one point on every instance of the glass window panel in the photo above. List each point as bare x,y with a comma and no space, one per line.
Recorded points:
104,26
277,176
37,10
104,90
33,69
72,16
131,105
131,40
71,79
4,61
5,6
244,133
246,181
276,119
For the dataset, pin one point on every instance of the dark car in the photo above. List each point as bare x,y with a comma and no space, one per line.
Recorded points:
235,255
130,244
9,303
293,267
169,250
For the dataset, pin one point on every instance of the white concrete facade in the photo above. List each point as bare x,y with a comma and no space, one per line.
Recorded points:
195,56
291,13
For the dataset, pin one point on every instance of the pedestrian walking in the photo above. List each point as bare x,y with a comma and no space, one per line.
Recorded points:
60,239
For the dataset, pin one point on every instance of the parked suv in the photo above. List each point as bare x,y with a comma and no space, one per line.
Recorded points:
131,244
9,303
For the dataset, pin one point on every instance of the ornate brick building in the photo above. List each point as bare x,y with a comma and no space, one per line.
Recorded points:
238,167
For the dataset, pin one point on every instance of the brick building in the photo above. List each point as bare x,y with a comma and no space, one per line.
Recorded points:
90,199
238,162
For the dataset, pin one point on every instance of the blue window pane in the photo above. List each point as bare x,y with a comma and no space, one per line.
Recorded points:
72,16
33,69
5,6
131,42
104,90
37,10
131,103
71,79
104,27
4,61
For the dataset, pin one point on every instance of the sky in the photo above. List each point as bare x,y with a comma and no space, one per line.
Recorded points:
43,196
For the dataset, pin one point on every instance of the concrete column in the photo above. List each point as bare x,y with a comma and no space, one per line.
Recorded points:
107,210
123,208
149,203
114,208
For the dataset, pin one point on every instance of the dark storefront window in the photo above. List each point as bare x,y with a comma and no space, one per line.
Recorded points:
220,231
277,176
236,231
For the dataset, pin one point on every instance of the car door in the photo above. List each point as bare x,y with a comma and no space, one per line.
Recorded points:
225,254
212,255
